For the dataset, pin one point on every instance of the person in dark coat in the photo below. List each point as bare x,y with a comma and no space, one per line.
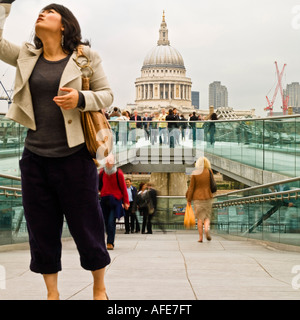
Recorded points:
141,203
131,221
147,126
212,128
133,126
172,126
136,118
193,120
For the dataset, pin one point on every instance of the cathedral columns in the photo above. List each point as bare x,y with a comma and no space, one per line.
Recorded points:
169,90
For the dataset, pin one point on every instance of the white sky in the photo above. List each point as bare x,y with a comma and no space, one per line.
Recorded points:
233,41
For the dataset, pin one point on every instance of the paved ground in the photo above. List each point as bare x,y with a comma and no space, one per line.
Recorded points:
171,266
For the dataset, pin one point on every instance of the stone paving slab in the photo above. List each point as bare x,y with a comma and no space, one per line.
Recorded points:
170,266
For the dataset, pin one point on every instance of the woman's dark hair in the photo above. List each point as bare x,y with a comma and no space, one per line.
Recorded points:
72,31
141,185
214,116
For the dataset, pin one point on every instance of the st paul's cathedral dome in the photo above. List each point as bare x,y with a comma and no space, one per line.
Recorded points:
163,81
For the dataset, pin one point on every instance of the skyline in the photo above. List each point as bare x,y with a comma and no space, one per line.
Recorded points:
235,42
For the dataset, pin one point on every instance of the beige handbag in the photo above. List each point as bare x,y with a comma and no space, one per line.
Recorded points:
97,131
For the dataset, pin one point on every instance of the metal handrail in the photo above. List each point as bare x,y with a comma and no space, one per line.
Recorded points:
10,191
267,185
5,176
237,120
220,120
261,198
14,192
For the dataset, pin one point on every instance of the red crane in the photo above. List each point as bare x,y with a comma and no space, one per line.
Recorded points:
285,100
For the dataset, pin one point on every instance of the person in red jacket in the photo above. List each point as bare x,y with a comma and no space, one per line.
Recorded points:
114,197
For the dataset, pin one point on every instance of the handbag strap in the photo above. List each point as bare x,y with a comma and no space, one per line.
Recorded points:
82,66
86,64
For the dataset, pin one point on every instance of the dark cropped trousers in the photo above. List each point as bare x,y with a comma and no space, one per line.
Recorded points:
54,188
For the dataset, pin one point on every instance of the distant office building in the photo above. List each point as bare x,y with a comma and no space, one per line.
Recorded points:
218,95
293,91
196,99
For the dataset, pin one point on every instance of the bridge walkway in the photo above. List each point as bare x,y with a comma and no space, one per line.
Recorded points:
166,266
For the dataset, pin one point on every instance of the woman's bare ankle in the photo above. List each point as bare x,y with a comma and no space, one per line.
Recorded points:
99,294
54,295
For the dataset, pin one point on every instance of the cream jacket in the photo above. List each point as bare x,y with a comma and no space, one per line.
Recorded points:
21,110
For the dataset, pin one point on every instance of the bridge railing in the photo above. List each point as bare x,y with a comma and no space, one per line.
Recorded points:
271,144
270,212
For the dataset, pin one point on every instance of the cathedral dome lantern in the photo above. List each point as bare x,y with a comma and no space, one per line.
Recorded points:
163,54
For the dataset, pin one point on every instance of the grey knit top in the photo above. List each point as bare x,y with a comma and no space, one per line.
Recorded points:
49,139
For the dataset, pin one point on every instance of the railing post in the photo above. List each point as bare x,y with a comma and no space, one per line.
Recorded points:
263,145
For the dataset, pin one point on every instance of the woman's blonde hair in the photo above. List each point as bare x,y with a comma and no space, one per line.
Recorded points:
202,163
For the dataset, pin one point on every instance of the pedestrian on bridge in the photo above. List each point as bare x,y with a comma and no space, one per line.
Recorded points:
114,197
59,177
199,192
142,204
131,220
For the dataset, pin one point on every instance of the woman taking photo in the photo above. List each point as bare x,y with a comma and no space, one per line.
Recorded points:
59,177
199,192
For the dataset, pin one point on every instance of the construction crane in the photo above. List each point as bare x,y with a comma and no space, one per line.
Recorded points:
7,97
285,100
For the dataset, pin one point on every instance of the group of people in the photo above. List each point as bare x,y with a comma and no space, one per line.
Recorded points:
167,126
145,201
118,198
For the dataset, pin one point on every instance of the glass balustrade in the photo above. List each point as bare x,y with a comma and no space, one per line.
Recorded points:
12,223
281,223
12,137
273,218
269,144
